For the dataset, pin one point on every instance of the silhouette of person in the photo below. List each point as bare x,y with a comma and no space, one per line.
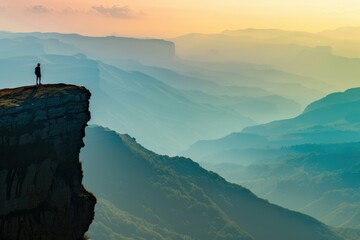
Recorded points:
38,74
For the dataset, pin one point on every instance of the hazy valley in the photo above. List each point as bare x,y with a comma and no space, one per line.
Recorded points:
309,163
273,112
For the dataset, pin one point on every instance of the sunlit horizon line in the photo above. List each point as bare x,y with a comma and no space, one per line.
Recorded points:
183,34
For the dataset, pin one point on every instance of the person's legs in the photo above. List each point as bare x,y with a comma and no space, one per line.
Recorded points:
38,80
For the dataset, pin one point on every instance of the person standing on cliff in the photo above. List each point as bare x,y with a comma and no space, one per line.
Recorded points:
38,74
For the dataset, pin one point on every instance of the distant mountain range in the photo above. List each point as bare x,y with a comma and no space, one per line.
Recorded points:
319,180
166,110
308,163
347,33
332,119
319,56
170,94
103,48
151,196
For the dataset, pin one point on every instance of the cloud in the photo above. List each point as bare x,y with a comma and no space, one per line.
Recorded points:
121,12
69,10
2,9
39,9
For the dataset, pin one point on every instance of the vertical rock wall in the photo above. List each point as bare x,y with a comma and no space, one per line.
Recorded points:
41,192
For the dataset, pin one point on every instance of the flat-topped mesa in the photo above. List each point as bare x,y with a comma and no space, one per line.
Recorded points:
41,192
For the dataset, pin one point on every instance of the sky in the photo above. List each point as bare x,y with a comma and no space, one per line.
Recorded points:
166,19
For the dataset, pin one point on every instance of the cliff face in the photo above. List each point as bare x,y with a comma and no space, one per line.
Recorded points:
41,192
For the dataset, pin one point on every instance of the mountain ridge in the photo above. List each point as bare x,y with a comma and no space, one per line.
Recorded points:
308,163
179,183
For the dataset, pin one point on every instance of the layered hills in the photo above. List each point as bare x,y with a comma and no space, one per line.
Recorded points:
141,87
324,58
153,196
104,48
308,163
332,119
174,108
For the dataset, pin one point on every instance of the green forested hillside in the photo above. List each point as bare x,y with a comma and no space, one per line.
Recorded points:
163,196
112,223
320,180
310,163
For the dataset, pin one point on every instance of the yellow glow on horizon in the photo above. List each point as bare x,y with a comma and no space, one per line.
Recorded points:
163,18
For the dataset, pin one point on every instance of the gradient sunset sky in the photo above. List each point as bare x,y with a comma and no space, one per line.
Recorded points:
165,18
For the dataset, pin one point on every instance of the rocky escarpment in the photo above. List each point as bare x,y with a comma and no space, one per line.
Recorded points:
41,192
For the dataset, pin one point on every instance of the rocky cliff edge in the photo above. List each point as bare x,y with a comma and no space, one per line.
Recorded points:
41,192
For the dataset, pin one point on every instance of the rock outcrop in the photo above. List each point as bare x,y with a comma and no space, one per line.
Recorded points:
41,192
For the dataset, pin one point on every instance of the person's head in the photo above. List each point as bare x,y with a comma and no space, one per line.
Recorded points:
38,64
